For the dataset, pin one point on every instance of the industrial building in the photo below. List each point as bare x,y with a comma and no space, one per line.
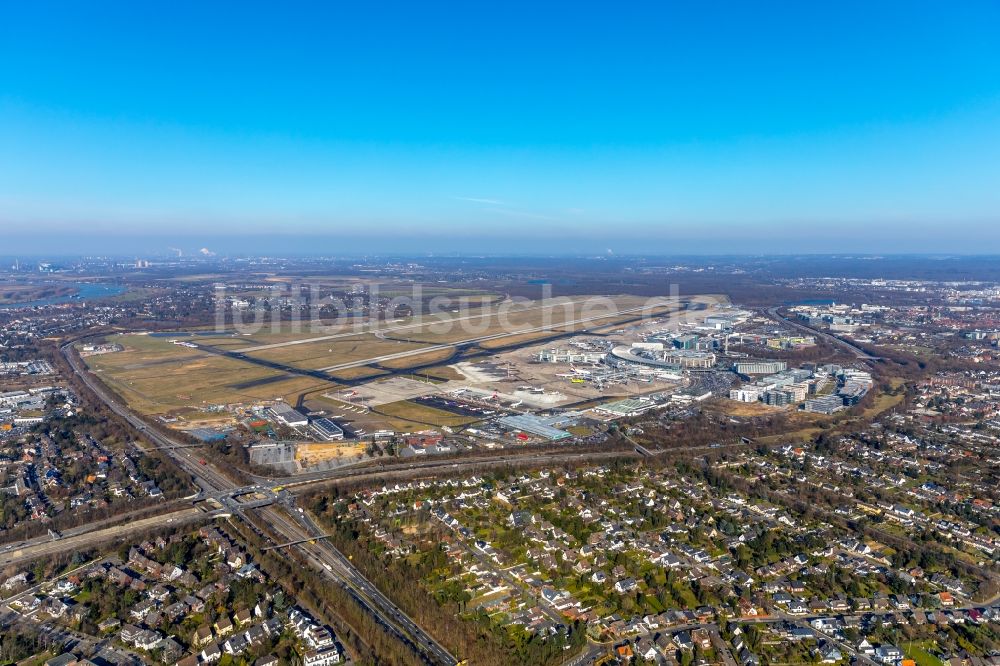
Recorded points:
626,407
537,425
720,322
288,416
791,342
327,429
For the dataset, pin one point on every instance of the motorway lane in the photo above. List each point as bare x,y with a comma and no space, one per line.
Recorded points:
310,481
298,485
100,523
91,538
207,477
213,482
858,351
300,527
326,555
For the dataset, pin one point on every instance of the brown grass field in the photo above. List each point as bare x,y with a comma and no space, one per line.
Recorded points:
360,372
156,377
435,356
511,340
312,453
327,353
420,414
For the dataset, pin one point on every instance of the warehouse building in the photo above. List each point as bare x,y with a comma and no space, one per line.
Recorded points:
288,416
327,429
536,425
626,407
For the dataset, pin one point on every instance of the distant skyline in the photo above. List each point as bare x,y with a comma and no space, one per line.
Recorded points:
651,128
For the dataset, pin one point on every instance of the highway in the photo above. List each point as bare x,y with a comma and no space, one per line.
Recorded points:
301,527
294,525
216,485
213,485
45,546
857,351
426,468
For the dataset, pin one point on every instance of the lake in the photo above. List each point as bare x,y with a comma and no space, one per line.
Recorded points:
85,291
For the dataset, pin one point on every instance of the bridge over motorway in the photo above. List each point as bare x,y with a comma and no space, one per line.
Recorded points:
215,484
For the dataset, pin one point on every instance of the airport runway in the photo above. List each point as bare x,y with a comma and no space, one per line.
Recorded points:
379,332
486,338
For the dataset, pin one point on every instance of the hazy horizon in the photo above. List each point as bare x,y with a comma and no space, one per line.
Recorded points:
266,244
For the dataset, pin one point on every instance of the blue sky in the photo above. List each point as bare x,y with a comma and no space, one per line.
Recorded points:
653,127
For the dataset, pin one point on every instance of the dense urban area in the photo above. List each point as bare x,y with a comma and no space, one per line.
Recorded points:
270,460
